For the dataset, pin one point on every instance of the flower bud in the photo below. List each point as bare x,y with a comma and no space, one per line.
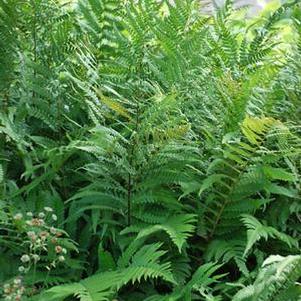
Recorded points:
32,235
36,257
52,230
48,209
18,216
21,269
44,235
7,289
17,281
36,222
6,286
61,258
41,215
58,249
25,258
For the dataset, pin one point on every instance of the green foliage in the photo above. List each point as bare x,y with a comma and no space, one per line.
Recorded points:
166,142
179,228
256,231
276,280
143,265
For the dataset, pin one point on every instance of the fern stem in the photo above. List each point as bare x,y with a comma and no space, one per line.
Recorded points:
130,184
129,199
34,37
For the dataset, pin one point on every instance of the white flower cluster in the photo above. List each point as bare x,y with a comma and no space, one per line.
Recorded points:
14,290
43,241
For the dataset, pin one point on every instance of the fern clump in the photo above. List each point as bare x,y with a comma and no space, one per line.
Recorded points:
149,150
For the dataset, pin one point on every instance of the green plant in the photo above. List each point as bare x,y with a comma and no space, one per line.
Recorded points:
275,281
167,142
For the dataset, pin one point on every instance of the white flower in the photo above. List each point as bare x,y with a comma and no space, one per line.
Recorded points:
21,290
52,230
6,286
29,214
54,217
32,235
36,257
44,235
18,216
41,215
61,258
48,209
21,269
25,258
64,251
58,249
17,281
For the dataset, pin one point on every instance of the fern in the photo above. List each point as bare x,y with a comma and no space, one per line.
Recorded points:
144,265
200,282
276,280
256,231
177,227
166,140
238,176
227,250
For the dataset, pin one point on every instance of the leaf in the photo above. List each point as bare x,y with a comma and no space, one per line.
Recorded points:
256,231
178,227
210,181
279,174
275,281
105,260
276,189
113,104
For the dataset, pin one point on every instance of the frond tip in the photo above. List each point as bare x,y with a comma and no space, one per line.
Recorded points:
276,281
257,230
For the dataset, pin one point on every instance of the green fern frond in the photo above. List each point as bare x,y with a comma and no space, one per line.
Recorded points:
276,281
178,227
144,265
199,285
256,231
227,250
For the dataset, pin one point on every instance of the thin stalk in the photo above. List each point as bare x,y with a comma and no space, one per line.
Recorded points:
130,184
34,38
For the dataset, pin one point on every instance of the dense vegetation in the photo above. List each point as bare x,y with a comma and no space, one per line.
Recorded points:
149,152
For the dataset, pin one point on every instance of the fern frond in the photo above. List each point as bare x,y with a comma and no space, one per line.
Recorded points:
179,228
275,281
256,231
144,265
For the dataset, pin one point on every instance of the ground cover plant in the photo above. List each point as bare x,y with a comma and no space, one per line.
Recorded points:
149,151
